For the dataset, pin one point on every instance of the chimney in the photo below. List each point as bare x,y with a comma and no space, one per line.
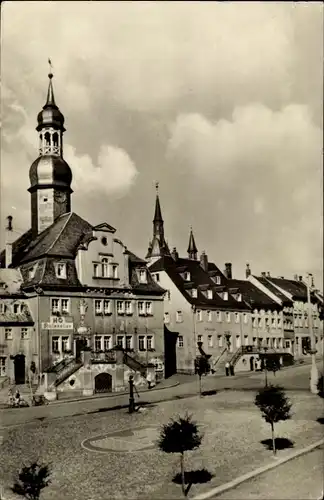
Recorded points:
268,274
296,277
312,282
264,274
247,271
174,254
228,270
300,278
8,242
204,261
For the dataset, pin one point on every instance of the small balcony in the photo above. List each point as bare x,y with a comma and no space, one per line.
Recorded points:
103,357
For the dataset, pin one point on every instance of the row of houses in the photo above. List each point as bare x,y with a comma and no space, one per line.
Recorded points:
80,311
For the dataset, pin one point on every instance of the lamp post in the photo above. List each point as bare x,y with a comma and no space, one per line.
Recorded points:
265,367
314,371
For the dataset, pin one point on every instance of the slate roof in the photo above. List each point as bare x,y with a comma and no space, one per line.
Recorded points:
274,290
254,296
145,288
61,239
18,248
10,288
199,279
297,289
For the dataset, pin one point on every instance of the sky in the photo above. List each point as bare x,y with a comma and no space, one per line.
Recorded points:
221,103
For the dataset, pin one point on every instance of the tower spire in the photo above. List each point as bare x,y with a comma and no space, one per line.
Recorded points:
192,249
50,101
158,247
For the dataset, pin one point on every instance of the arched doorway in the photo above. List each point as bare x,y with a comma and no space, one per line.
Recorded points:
19,363
103,382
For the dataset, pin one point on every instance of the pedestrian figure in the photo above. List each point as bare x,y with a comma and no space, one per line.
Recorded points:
251,363
149,379
232,370
131,407
10,397
227,369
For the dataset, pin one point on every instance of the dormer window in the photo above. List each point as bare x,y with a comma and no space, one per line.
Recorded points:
187,276
60,269
225,295
209,294
142,276
156,276
239,297
194,293
31,272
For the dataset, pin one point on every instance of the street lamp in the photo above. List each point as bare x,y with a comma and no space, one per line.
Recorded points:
314,371
265,367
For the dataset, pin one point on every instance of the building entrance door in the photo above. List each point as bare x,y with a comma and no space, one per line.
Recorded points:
19,363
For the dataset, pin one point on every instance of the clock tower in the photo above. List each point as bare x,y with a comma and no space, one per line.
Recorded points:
50,176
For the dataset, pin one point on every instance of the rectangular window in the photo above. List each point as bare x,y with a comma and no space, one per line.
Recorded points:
238,341
1,308
180,341
228,317
2,366
120,340
166,318
129,341
245,318
255,342
220,340
23,333
98,343
179,317
115,271
16,308
210,341
105,267
267,322
55,344
237,317
209,316
55,306
22,308
148,307
65,305
98,306
61,270
141,309
199,315
149,342
8,333
157,277
225,295
107,342
141,343
128,307
107,306
120,307
246,340
219,316
142,276
218,280
209,294
194,293
95,270
199,338
254,322
279,323
65,344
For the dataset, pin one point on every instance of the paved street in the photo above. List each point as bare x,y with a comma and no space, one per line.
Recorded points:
90,455
296,378
299,479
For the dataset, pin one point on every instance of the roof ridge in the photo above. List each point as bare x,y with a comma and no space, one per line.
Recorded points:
64,226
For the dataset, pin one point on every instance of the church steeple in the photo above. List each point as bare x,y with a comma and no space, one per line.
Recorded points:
50,176
158,246
192,249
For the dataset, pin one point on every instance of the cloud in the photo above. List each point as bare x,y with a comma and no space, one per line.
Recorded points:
220,101
113,173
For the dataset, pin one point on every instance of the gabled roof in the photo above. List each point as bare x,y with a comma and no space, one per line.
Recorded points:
253,295
296,288
200,280
265,282
104,227
151,286
61,239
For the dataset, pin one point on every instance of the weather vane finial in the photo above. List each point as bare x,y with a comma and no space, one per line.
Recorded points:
157,187
50,74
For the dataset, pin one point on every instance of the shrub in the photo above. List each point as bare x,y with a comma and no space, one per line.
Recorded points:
32,480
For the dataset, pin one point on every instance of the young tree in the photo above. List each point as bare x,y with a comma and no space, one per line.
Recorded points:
178,436
274,406
32,480
320,386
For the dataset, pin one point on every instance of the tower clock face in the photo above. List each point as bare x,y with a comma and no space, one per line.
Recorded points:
60,197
